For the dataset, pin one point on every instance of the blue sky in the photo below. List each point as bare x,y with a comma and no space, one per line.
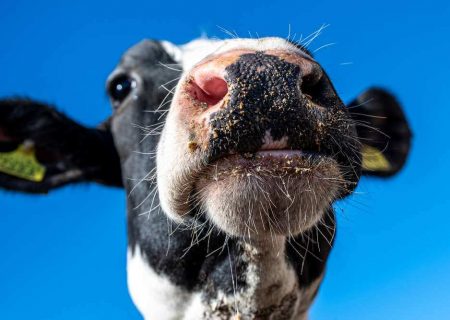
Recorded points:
63,255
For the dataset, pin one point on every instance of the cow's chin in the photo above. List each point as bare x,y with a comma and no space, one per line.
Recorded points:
267,194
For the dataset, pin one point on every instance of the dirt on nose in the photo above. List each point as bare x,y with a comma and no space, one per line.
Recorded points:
271,95
264,96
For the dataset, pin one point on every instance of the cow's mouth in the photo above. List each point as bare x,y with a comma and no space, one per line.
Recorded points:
269,192
281,162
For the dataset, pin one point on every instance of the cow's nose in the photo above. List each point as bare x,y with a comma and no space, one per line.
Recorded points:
251,78
237,99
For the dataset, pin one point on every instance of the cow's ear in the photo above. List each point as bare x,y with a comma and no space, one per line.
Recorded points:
42,149
383,131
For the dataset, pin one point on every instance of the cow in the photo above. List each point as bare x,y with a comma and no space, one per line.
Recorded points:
232,153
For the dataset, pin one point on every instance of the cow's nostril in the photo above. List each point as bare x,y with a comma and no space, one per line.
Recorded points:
318,89
209,90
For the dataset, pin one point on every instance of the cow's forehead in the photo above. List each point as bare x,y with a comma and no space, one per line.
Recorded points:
189,54
193,52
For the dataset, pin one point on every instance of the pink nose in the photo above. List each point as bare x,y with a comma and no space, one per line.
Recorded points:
208,87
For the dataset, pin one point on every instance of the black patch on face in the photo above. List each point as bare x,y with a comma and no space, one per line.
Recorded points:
270,94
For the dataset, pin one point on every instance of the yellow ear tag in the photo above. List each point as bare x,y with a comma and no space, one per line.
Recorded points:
22,163
374,160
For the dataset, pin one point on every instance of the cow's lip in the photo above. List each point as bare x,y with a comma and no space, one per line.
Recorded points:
268,157
282,163
281,153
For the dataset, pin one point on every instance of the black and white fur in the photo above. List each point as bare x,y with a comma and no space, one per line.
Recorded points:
190,264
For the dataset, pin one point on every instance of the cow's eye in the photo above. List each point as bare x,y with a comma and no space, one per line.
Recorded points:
120,87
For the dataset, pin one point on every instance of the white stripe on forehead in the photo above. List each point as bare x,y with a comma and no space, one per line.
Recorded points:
193,52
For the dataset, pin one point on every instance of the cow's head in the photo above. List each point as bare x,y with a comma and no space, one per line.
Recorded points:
249,134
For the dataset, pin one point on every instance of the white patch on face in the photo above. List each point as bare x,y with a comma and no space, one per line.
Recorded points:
171,176
173,50
191,53
262,44
154,295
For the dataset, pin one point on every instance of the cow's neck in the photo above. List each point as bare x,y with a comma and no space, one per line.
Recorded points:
264,285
